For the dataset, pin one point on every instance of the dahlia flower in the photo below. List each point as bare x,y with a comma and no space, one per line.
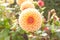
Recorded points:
26,4
30,20
19,2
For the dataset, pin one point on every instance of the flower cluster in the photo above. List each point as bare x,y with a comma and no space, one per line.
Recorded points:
30,18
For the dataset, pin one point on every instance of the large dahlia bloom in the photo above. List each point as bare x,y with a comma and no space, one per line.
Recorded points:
26,4
19,2
30,20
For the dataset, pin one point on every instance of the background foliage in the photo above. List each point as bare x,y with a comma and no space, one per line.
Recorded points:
52,4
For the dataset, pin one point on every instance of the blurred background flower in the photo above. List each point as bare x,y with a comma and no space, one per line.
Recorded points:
40,3
26,4
19,2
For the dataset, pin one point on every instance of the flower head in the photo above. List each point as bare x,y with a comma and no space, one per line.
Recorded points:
30,20
19,2
40,3
26,4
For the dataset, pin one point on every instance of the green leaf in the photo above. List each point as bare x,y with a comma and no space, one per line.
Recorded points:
36,5
17,36
4,34
6,23
43,8
57,23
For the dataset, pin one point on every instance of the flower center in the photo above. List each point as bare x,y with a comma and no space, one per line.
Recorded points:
30,20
